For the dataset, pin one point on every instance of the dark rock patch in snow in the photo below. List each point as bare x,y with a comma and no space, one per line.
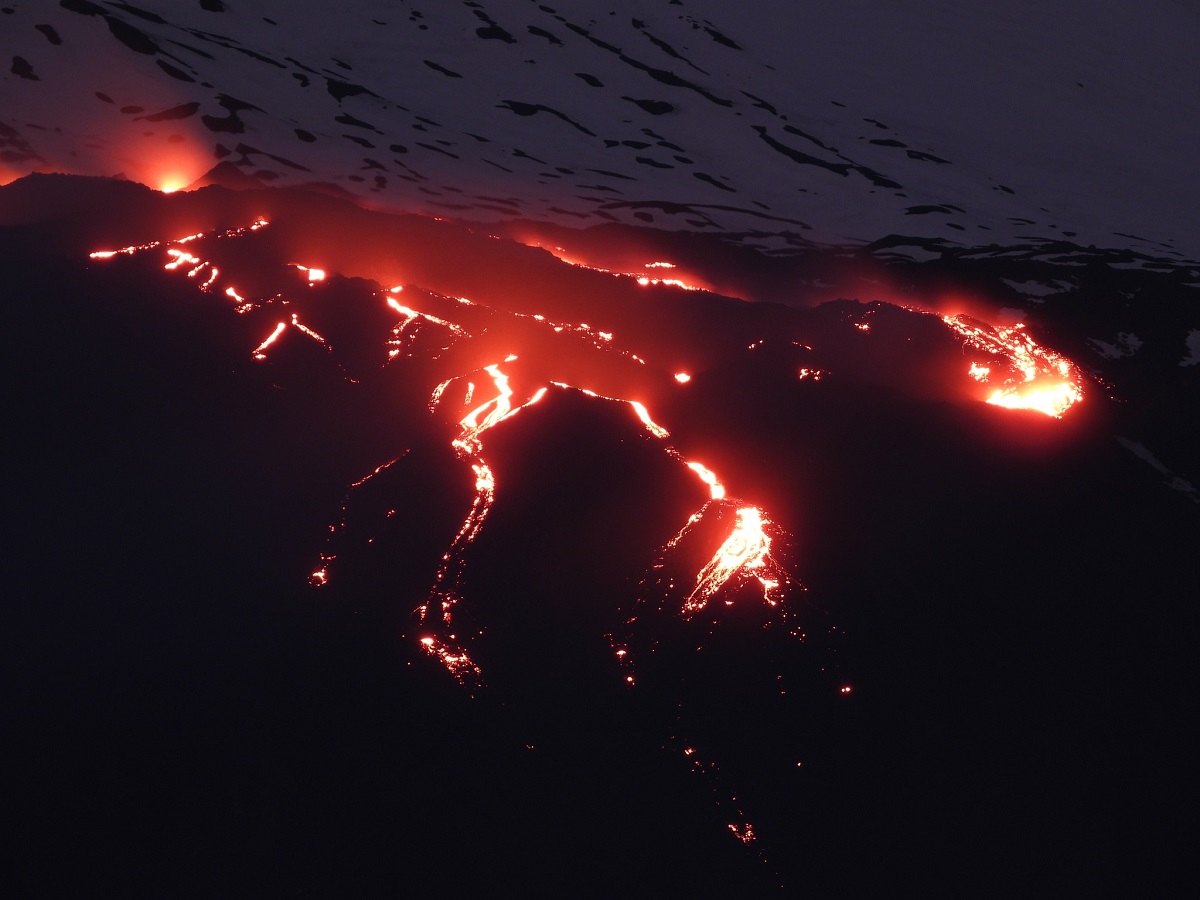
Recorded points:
440,68
347,119
654,107
542,33
529,109
340,90
51,35
926,157
183,111
704,176
175,72
22,68
230,123
925,209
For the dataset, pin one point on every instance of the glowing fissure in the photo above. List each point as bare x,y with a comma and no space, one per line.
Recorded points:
1029,377
260,351
642,278
410,314
598,339
296,323
319,577
126,251
177,259
725,799
448,581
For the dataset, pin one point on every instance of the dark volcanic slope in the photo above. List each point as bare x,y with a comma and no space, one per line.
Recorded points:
976,678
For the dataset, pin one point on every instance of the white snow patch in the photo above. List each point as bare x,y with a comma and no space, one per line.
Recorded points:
1192,341
1126,344
1173,481
1038,288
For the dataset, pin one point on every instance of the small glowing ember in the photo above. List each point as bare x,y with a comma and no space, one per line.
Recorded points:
744,831
683,377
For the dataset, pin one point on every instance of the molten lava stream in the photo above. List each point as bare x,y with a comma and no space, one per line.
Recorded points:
448,582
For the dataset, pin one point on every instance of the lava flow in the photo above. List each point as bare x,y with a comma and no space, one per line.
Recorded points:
448,582
727,551
1024,375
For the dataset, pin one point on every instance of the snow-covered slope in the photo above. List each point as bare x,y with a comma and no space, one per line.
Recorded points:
970,123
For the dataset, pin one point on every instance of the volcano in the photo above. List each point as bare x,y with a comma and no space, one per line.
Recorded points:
574,450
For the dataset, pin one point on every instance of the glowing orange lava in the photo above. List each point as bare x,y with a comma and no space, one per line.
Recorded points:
653,427
447,587
260,350
1023,375
456,661
745,554
716,489
312,274
481,399
643,278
